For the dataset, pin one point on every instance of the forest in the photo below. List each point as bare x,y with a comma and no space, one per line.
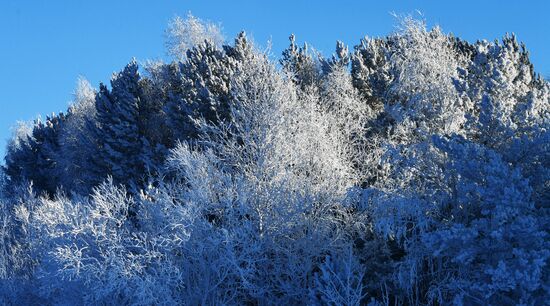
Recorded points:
411,169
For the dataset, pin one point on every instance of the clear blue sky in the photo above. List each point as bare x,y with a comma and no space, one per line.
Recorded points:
46,45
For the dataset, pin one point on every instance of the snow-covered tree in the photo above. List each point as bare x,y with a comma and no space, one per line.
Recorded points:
303,67
370,70
279,166
466,224
34,157
203,85
19,156
412,171
77,142
183,34
423,92
121,147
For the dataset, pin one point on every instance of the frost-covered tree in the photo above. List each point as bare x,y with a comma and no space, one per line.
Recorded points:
423,95
278,170
19,156
303,67
122,147
33,156
511,107
499,72
77,142
341,58
412,171
466,224
370,70
183,34
340,282
203,85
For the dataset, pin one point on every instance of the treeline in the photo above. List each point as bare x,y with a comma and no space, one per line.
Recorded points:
413,169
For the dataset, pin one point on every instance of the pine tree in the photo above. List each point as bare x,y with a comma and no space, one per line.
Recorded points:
418,177
370,70
34,158
78,144
19,156
202,85
303,68
120,142
340,59
467,217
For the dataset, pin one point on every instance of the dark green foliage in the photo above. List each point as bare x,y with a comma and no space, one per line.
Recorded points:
120,151
201,86
370,70
35,158
303,67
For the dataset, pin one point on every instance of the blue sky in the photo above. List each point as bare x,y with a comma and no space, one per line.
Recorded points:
46,45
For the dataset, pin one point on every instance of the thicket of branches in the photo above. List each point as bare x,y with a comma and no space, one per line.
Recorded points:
414,169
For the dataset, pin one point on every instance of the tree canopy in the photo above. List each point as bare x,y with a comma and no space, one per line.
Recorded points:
411,169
